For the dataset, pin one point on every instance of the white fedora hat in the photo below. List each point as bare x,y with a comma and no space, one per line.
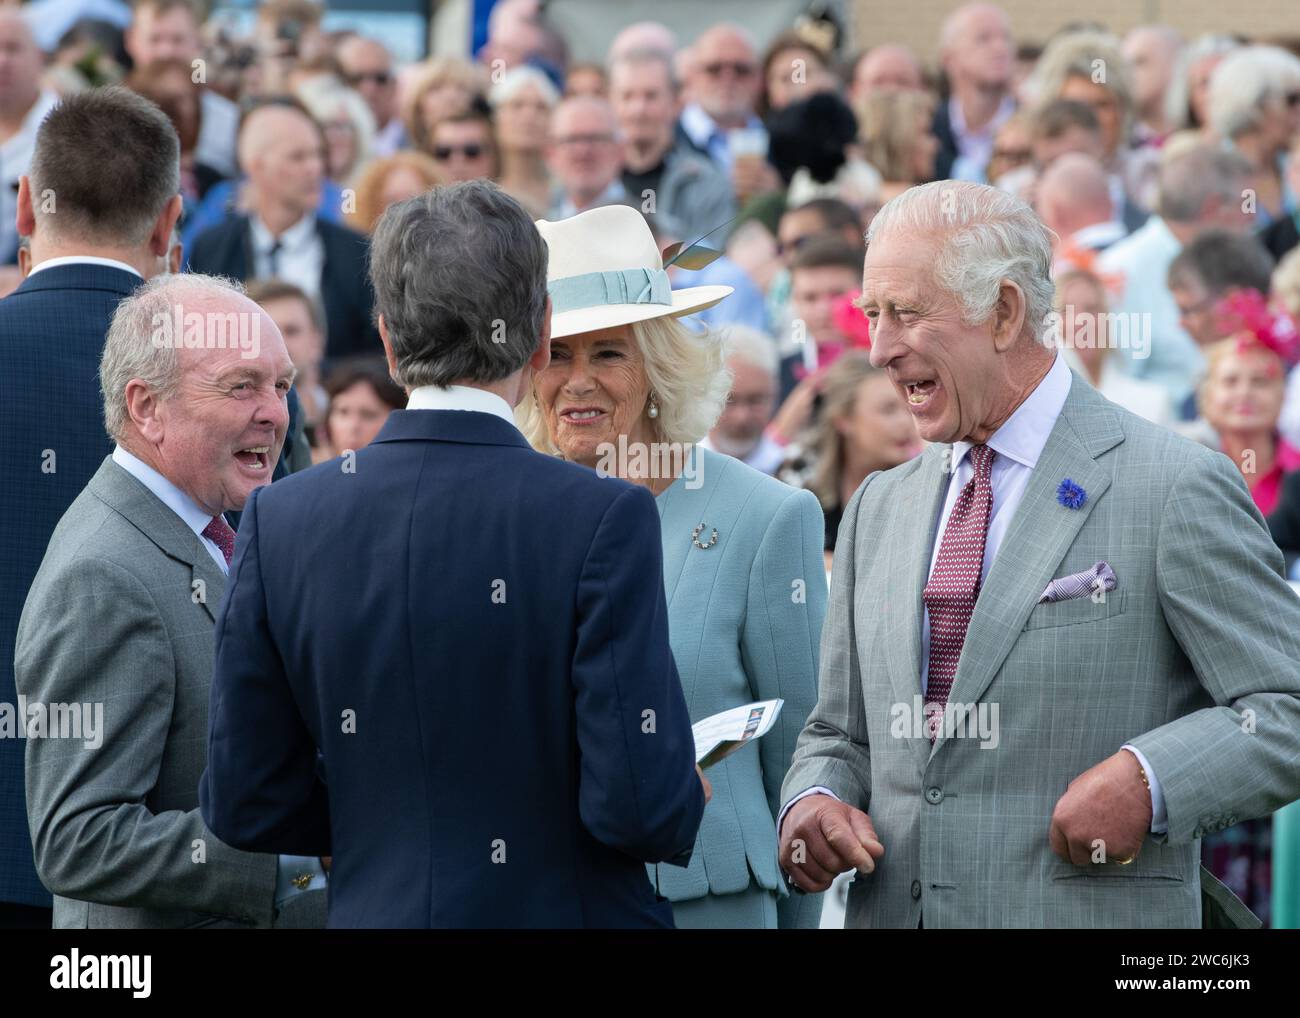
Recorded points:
605,269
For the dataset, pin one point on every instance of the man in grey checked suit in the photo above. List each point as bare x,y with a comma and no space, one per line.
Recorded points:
119,627
1094,729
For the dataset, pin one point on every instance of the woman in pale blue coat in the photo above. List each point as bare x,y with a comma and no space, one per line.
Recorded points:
627,392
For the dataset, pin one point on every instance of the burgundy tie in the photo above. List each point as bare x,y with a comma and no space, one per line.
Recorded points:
220,533
955,583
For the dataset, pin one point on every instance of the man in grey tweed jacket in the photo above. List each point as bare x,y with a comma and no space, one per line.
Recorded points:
1094,729
118,633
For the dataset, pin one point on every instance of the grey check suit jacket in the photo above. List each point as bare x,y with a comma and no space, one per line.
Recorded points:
1194,658
122,613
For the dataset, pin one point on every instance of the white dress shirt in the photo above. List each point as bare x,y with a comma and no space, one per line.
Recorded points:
1018,443
110,263
16,161
218,128
460,397
291,867
301,258
1098,236
975,148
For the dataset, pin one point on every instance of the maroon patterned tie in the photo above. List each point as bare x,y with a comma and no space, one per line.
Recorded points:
220,533
955,583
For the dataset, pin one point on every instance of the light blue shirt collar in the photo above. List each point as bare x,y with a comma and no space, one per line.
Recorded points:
190,512
460,397
1024,435
702,128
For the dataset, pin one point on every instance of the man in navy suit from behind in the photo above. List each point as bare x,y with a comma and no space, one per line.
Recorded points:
444,660
98,206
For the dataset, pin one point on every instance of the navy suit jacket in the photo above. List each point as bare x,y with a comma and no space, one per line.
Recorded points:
474,638
52,441
227,250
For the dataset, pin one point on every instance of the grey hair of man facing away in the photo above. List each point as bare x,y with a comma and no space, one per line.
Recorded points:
957,288
212,418
460,290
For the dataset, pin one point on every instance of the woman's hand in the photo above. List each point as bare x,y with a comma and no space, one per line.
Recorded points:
708,788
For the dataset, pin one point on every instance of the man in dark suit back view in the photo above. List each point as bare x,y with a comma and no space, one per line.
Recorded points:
282,150
99,207
472,634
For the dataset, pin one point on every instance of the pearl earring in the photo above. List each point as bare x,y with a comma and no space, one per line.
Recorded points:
653,411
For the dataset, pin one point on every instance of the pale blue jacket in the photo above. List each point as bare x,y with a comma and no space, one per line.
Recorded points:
744,620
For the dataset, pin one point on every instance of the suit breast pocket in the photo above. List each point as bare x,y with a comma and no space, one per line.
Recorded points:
1076,611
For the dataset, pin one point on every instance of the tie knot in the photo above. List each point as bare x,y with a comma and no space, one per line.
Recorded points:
981,457
220,533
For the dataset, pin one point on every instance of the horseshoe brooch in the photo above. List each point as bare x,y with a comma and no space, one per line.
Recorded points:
695,537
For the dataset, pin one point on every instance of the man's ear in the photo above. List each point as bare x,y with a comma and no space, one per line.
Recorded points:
26,219
142,408
388,347
160,240
1008,316
541,357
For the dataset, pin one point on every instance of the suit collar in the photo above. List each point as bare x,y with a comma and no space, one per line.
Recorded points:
296,236
81,275
190,512
468,426
907,543
140,507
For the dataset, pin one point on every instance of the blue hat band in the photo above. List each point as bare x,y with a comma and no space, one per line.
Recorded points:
598,289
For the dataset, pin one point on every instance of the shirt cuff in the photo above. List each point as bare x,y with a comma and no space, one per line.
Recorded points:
1159,820
815,790
293,868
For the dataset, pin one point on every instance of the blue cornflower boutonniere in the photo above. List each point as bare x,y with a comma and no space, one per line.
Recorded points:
1071,495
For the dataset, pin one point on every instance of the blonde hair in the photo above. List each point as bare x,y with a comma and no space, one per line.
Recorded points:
1085,55
370,184
686,372
889,124
1218,351
1286,281
839,392
445,70
325,97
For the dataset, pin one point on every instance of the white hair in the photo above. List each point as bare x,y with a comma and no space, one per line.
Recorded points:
325,97
987,237
1178,99
1096,56
1248,78
750,346
129,348
686,372
517,79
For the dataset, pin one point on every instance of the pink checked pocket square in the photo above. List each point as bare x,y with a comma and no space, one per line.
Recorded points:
1099,577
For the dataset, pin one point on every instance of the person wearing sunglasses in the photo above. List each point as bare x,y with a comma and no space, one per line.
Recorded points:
462,146
725,85
368,67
